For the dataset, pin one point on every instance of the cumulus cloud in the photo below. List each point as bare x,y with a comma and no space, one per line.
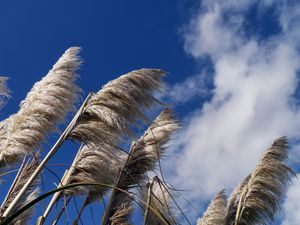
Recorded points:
255,82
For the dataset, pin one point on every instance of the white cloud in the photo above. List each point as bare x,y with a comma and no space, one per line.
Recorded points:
252,102
199,42
292,205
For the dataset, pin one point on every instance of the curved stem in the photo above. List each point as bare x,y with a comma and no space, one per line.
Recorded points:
10,218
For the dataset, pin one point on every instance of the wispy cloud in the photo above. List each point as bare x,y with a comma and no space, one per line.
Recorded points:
255,82
192,87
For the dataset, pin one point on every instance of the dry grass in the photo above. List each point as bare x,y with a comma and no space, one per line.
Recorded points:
109,119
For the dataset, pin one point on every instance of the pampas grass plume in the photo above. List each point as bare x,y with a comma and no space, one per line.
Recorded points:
114,110
215,212
261,196
96,164
44,107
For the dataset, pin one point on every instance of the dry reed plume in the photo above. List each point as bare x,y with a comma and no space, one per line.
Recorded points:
148,149
44,107
109,115
215,212
143,157
114,110
261,195
233,201
96,164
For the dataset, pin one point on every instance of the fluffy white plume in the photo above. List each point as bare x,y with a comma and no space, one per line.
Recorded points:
262,194
101,163
233,201
44,107
113,111
143,157
215,212
146,152
96,164
109,115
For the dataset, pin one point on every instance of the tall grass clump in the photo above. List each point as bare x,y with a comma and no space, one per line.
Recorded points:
116,164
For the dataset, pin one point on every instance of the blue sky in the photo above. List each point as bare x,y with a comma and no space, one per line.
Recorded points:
116,37
233,75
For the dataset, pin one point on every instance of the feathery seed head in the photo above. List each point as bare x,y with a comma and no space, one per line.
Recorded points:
96,164
109,114
118,106
44,107
215,212
233,201
150,147
143,156
261,196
